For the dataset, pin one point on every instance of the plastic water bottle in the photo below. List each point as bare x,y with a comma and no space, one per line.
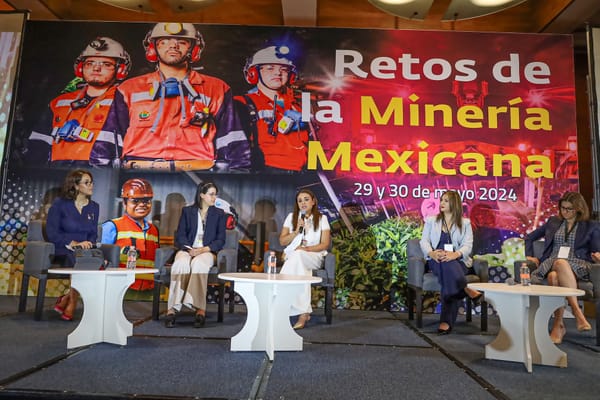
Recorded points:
272,263
524,274
131,257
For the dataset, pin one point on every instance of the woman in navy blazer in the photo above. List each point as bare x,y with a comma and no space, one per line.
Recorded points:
571,243
200,235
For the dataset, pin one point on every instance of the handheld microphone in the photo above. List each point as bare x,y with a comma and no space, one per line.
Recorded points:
302,215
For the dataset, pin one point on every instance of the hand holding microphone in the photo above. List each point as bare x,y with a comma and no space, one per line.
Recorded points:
302,217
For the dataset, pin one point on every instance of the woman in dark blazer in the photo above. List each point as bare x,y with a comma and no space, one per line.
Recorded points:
72,221
571,243
200,235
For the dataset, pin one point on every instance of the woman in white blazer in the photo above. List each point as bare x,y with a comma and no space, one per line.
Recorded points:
447,241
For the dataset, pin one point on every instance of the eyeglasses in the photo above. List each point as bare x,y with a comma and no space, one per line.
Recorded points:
275,69
567,209
99,64
144,200
86,183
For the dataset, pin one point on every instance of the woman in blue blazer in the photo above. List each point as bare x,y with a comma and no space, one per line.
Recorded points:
200,235
446,242
571,243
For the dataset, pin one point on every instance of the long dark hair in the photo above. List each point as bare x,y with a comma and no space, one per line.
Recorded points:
455,207
73,178
202,189
314,211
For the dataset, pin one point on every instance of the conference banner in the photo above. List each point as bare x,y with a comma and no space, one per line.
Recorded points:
377,123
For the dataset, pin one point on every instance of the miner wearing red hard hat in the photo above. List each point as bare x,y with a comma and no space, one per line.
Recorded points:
133,229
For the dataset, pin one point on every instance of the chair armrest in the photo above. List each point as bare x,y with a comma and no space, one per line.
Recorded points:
595,279
481,269
227,260
111,252
329,265
416,269
38,255
161,257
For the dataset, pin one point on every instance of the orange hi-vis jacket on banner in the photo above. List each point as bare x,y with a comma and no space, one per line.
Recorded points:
91,117
284,151
174,138
146,244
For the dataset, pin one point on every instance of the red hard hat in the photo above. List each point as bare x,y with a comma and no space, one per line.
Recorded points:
136,188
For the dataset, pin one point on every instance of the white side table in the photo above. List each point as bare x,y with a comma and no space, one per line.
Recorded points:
268,301
102,293
524,313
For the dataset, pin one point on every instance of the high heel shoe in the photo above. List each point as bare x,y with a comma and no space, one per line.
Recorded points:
170,321
302,320
584,327
199,320
57,306
66,317
446,331
558,340
477,299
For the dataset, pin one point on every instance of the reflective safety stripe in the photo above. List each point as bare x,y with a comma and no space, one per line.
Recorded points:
231,137
109,137
141,96
41,137
64,103
136,235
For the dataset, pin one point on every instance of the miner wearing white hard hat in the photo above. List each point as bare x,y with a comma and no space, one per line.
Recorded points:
66,133
174,118
270,113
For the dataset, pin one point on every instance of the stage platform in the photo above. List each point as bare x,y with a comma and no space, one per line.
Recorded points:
362,355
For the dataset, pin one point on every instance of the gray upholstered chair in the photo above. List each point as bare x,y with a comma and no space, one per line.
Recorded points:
591,287
420,281
38,259
326,273
226,262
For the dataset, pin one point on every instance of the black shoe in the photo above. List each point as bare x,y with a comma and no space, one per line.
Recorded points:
170,321
442,332
199,321
477,299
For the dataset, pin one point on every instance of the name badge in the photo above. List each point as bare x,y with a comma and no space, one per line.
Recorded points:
448,247
563,252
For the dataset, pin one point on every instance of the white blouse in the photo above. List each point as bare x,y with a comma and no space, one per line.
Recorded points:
199,232
309,234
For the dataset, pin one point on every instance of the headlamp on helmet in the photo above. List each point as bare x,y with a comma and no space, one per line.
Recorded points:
269,55
174,30
103,46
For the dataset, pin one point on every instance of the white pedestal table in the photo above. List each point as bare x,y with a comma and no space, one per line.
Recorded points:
102,293
524,313
268,300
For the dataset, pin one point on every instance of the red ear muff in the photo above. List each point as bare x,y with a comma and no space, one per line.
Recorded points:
292,78
78,67
151,52
252,75
121,71
195,54
230,222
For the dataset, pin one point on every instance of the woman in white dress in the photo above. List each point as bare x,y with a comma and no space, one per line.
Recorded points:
306,233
